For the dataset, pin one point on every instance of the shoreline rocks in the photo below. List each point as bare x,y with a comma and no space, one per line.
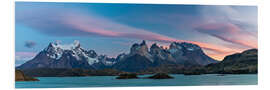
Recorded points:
160,76
19,76
127,76
192,73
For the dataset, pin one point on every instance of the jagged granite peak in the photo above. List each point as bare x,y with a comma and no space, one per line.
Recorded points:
160,53
176,50
121,56
189,53
135,47
154,49
141,49
107,61
184,45
173,44
74,45
190,46
143,43
57,55
56,50
154,46
183,53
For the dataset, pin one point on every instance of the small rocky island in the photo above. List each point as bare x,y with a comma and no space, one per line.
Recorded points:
160,76
127,76
19,76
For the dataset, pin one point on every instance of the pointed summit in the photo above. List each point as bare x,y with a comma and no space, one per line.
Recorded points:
143,43
155,49
63,56
51,45
139,48
51,48
173,44
190,46
76,44
154,46
58,45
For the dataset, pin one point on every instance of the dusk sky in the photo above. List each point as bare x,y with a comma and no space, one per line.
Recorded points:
111,29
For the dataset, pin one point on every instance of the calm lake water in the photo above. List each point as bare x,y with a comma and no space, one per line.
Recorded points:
110,81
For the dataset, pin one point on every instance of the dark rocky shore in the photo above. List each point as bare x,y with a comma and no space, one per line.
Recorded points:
134,76
239,63
127,76
19,76
160,76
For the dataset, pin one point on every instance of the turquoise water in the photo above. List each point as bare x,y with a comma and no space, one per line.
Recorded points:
110,81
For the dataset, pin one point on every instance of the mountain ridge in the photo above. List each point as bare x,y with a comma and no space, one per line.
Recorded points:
139,58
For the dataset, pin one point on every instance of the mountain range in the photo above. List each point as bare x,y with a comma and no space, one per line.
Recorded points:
139,58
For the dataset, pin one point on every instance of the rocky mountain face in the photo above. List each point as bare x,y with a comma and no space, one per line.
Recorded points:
139,58
238,63
188,53
67,56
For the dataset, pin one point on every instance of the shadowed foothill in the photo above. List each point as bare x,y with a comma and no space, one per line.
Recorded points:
19,76
161,76
127,76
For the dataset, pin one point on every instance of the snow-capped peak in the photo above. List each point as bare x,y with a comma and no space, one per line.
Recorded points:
56,51
175,47
74,45
190,46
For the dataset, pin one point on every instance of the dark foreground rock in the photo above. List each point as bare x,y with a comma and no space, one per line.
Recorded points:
57,72
192,73
19,76
127,76
160,76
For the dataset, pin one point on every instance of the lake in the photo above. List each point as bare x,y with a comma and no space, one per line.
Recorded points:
110,81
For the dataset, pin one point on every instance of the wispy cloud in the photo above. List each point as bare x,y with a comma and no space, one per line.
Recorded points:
230,24
229,33
30,44
224,23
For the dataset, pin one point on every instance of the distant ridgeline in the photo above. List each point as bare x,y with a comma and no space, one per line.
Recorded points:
73,60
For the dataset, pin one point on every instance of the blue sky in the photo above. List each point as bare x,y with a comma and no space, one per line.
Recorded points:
112,28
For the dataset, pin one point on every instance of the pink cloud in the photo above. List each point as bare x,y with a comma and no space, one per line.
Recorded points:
230,33
79,24
102,27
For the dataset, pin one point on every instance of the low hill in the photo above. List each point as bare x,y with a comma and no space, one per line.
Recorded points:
20,76
238,63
